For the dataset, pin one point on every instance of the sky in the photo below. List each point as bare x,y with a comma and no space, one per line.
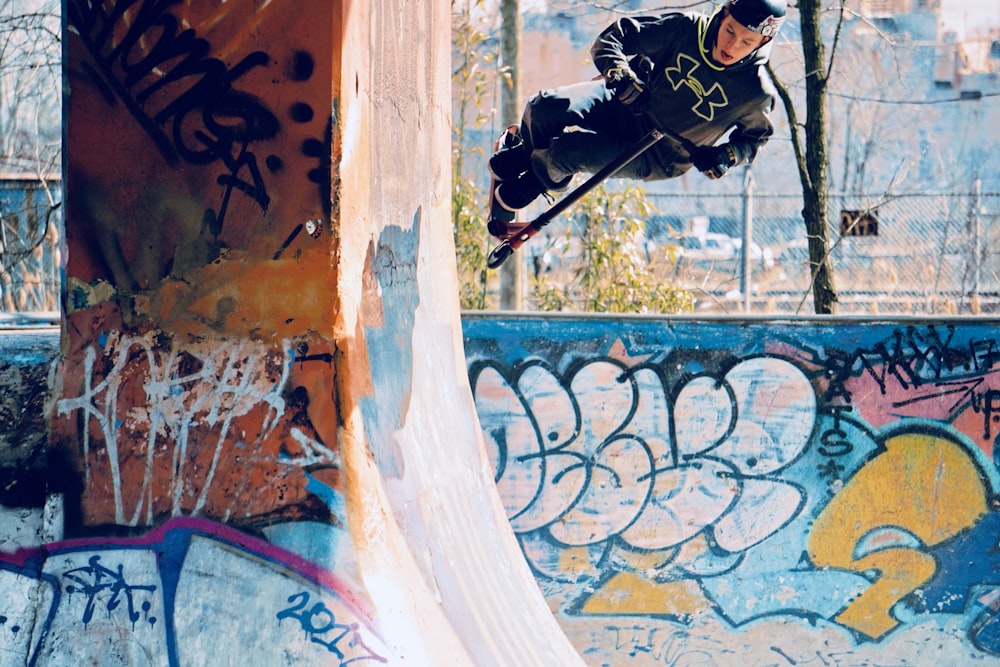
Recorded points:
964,16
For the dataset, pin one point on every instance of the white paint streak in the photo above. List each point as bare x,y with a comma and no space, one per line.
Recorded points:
230,381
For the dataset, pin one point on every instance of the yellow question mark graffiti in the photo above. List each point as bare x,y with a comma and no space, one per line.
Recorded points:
923,486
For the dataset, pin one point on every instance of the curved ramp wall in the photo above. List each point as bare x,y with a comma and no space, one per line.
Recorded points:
752,492
262,445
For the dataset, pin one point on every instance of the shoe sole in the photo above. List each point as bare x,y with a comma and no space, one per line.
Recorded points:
499,212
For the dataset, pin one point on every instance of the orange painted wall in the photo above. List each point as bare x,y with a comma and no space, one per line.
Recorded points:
200,229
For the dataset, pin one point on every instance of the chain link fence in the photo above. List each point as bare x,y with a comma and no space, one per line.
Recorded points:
922,254
30,226
904,254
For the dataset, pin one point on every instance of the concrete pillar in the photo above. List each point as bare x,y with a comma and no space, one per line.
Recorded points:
261,345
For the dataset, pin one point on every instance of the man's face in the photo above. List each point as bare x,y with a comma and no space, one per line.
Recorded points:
735,42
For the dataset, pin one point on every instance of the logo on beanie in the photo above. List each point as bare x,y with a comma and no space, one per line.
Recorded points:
768,27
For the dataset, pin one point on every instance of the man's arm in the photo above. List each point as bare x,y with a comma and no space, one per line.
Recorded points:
612,47
623,53
752,131
747,138
628,41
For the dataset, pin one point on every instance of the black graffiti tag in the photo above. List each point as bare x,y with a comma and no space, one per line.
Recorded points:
987,403
915,357
164,77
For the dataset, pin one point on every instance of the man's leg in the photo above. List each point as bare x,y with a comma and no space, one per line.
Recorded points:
502,166
590,152
546,118
550,112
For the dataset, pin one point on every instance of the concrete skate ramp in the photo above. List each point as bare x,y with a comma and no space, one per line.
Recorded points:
261,428
734,492
414,418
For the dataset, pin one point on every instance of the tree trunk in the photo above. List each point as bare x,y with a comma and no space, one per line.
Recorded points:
815,183
512,272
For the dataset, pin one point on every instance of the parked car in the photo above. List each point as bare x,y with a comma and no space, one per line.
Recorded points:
708,246
762,256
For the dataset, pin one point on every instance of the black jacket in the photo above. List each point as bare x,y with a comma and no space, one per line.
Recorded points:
689,93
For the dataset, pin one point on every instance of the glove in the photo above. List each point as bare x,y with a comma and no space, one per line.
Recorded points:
714,161
628,89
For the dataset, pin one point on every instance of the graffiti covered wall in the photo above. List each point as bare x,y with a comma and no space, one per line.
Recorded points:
719,493
243,453
193,421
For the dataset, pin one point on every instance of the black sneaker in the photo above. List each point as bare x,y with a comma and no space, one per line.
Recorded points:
512,158
517,194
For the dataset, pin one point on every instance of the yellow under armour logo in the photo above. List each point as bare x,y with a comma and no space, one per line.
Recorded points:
683,75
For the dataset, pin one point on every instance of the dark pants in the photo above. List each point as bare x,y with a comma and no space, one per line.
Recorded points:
585,127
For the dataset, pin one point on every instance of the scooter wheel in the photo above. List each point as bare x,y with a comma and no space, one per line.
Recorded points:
498,255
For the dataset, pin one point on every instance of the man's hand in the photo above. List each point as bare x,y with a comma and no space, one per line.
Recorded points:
629,90
714,161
